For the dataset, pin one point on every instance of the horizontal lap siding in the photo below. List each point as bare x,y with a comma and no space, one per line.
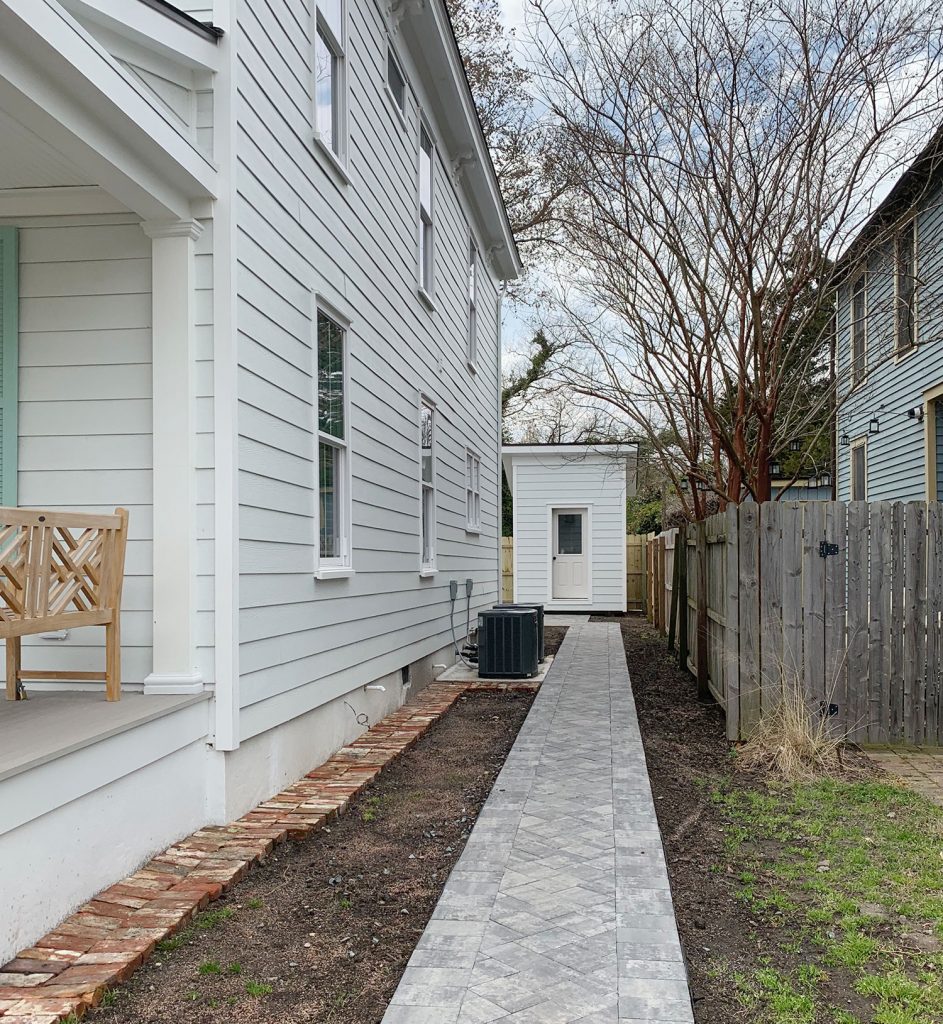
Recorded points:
85,414
896,456
85,406
553,480
303,641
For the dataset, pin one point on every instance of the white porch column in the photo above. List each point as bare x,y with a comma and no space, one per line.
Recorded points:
174,504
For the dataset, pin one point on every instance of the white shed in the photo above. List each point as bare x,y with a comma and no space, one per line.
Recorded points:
569,523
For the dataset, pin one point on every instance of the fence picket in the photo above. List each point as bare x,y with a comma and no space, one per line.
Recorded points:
731,634
813,602
749,618
771,603
792,589
856,675
896,578
915,635
835,613
934,607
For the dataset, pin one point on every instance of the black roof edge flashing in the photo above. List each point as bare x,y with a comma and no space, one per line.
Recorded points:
202,28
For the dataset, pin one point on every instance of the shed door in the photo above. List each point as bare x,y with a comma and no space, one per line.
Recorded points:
570,552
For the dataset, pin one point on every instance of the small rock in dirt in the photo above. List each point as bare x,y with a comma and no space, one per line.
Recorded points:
700,923
307,945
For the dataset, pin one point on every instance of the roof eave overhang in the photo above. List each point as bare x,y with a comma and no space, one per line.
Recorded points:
58,81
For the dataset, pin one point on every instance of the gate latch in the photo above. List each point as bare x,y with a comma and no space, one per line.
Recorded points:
826,549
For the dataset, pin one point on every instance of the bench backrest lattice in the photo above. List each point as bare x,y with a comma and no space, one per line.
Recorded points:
60,570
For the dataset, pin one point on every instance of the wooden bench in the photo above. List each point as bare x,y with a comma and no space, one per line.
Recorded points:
59,570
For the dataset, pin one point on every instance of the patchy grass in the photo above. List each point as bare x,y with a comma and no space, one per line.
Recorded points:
852,872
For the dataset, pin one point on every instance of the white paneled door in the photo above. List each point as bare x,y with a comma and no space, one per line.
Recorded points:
570,551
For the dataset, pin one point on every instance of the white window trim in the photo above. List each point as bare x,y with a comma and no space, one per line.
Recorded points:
900,354
428,569
474,268
339,567
857,379
400,111
861,442
426,288
472,512
337,161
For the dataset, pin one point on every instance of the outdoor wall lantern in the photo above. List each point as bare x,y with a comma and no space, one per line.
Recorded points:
844,440
775,468
795,446
916,413
825,480
874,425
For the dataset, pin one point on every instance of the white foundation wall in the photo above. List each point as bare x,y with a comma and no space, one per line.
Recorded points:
266,764
70,828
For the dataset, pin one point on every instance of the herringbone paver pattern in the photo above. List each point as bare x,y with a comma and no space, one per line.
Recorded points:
559,910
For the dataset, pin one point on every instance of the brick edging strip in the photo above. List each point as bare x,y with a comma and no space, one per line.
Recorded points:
68,970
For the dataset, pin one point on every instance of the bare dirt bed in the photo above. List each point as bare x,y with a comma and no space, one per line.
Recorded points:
553,637
322,931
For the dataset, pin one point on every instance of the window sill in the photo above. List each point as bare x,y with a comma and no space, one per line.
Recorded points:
338,573
427,300
331,161
427,572
900,356
475,530
400,113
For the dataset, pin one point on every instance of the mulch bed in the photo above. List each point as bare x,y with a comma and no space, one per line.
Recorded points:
323,930
553,637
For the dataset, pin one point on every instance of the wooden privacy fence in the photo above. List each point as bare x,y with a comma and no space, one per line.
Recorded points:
59,570
636,570
842,599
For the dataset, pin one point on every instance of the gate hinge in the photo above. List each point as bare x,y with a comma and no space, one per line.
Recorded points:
826,549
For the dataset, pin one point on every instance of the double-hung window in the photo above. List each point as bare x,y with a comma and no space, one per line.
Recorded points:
859,471
333,447
427,481
472,305
859,314
330,78
905,287
426,236
472,492
395,81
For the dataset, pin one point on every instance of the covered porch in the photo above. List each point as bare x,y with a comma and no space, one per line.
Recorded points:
107,273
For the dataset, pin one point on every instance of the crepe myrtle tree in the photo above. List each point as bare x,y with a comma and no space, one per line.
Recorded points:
723,152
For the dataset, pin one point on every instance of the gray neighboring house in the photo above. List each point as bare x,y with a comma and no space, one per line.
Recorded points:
889,358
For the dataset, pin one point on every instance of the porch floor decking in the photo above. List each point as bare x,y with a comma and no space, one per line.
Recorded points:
55,723
559,910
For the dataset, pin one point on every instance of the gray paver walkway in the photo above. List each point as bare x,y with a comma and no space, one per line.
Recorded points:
559,910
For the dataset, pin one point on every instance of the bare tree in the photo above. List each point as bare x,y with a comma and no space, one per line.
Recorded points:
724,151
520,140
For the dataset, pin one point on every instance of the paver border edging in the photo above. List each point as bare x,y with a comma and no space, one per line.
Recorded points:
67,971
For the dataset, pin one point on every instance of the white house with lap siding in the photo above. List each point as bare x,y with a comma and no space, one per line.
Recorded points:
569,523
252,257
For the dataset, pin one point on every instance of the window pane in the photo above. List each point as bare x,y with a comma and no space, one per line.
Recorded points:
425,172
906,287
472,276
858,473
570,533
332,13
858,328
330,377
325,90
428,525
328,460
395,80
426,432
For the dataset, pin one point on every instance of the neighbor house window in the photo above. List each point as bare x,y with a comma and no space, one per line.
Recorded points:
427,478
472,304
859,314
333,442
329,75
425,211
472,492
859,471
906,288
395,81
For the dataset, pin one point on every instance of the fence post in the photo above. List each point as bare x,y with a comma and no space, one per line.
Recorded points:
703,689
675,577
681,554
